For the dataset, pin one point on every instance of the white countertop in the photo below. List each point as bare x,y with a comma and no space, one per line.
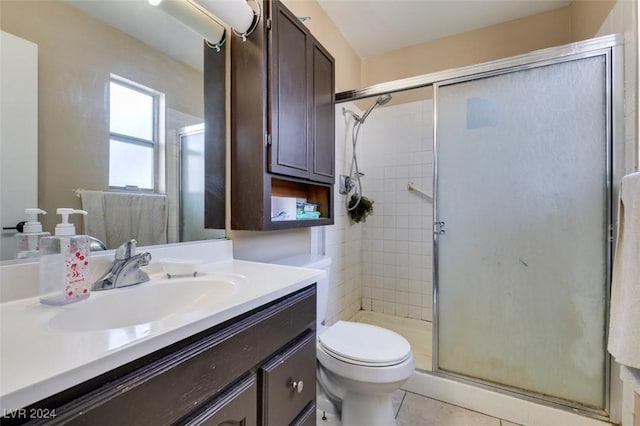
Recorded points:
37,361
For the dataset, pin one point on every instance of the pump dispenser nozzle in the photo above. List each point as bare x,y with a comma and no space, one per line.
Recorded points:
66,228
32,225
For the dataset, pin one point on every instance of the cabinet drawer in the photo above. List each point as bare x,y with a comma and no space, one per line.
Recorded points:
288,382
307,417
236,406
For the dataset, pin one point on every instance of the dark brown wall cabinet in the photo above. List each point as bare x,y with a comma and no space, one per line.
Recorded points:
282,115
257,369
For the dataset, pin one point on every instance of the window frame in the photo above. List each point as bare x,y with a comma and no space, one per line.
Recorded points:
154,143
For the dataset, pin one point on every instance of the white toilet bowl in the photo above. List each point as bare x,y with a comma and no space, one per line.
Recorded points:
361,365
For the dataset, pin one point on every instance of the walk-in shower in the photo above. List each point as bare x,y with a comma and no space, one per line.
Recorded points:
511,261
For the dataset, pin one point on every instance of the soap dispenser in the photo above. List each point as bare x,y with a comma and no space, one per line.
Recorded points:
64,263
28,241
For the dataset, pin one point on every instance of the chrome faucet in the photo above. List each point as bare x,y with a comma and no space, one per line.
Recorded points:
125,269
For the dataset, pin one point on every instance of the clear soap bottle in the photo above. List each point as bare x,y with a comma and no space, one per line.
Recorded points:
28,241
64,263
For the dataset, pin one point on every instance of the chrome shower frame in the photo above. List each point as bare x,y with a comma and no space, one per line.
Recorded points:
618,160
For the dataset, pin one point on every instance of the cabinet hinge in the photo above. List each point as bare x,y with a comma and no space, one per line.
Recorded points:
267,139
268,24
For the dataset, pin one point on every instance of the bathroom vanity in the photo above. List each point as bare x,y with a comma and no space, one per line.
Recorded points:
248,358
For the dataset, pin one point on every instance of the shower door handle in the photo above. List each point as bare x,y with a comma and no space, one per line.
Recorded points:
438,228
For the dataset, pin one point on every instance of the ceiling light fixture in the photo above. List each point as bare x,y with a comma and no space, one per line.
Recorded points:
196,18
242,16
200,16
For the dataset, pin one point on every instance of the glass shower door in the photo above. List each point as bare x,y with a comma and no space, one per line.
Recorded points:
191,208
522,229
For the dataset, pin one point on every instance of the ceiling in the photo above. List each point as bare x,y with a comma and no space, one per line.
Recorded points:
373,27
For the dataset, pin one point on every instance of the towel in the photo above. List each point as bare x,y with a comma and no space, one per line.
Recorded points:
624,321
120,217
94,221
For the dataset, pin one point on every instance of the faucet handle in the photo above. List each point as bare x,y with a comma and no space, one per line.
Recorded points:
145,258
126,250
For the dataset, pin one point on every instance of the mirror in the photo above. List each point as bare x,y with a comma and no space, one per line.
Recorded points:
81,46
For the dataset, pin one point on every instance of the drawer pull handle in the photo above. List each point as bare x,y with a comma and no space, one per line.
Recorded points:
299,385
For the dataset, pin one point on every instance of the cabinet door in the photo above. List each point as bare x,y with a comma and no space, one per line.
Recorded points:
290,94
237,406
323,115
288,383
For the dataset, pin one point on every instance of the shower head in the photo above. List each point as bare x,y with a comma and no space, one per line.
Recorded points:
380,101
384,99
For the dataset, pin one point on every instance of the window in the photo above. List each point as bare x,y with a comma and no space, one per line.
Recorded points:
133,140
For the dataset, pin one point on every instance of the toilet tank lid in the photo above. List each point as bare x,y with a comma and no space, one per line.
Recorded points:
307,260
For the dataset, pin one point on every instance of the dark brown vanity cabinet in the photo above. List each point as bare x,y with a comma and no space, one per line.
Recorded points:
282,121
257,369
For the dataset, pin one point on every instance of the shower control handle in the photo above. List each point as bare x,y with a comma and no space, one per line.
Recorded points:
297,385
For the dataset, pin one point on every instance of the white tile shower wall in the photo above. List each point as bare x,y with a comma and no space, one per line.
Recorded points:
395,148
343,240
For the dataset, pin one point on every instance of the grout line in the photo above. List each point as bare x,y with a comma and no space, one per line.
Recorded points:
401,402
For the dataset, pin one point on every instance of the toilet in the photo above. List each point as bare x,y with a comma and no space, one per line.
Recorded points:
359,365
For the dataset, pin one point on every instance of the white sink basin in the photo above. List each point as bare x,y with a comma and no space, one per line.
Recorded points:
144,303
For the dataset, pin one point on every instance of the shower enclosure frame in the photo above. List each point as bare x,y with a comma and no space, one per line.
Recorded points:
606,52
612,47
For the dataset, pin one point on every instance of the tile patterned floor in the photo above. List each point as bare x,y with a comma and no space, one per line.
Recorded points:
417,410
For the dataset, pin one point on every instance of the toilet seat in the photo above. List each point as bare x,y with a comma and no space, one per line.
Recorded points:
361,373
364,345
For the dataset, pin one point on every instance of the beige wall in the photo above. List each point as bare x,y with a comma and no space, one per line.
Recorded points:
77,53
588,16
485,44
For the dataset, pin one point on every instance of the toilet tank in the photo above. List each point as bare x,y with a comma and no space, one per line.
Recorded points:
314,261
